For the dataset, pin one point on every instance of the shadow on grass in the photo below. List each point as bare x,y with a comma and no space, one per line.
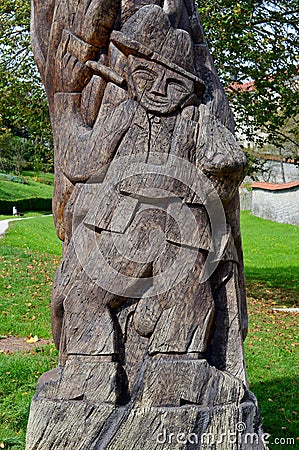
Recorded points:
281,283
278,401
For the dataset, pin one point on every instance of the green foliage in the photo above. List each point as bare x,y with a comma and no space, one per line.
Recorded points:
249,39
255,165
14,151
257,40
25,132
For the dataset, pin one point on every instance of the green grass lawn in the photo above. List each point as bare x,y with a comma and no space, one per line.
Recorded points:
14,193
19,375
17,191
43,177
26,214
272,273
29,254
271,257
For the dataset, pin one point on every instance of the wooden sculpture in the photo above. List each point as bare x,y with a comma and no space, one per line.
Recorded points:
148,310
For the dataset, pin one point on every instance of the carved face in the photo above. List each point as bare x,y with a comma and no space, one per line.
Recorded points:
158,89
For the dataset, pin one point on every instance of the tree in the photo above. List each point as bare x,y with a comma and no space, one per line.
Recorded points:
249,40
25,125
257,41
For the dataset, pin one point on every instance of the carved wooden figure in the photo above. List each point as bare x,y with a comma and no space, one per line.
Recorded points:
148,309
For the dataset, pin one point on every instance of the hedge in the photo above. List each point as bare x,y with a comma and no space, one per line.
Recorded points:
26,204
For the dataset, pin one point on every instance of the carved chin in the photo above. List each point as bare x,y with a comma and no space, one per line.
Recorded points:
159,106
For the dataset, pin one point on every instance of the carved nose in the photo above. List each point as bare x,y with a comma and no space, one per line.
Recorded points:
159,86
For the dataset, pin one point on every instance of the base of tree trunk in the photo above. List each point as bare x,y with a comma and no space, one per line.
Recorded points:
172,412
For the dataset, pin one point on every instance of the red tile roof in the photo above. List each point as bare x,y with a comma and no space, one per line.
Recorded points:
243,87
274,186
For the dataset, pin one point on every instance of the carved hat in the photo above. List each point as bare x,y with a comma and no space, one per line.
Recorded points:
149,34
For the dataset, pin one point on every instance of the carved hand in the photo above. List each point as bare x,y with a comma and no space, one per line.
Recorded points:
94,20
71,72
89,35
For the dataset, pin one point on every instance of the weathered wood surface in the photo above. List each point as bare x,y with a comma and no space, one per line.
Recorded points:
148,310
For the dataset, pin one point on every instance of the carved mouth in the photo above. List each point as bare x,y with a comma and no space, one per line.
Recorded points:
155,101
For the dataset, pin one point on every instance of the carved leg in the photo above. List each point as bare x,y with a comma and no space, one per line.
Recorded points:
188,311
226,350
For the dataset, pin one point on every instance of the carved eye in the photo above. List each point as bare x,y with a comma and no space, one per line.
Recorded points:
144,75
178,86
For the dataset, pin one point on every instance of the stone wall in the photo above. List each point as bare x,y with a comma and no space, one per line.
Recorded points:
279,172
279,203
276,172
245,199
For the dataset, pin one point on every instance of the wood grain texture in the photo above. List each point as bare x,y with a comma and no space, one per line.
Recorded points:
148,308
